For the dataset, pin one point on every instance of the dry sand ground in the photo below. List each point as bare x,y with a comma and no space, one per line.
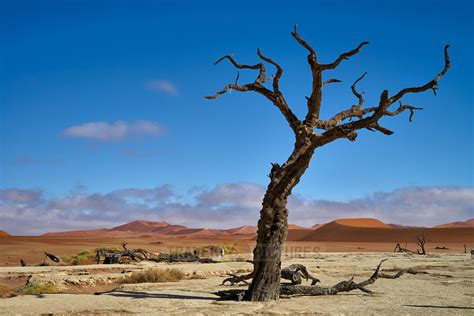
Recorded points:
448,289
32,249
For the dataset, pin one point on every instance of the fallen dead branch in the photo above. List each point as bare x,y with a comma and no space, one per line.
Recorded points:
399,248
294,273
111,256
313,290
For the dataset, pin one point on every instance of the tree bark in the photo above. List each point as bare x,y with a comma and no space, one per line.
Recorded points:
273,223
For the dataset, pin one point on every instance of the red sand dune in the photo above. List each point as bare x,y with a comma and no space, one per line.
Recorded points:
360,222
468,223
141,226
243,230
4,233
339,230
293,226
375,231
164,229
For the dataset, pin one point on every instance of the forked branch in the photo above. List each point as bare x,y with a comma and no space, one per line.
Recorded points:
275,96
371,122
314,290
343,56
433,84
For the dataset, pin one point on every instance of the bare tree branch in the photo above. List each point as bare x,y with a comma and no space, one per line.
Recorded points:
276,79
276,97
314,290
260,66
314,101
402,108
357,94
343,56
433,84
335,131
312,59
331,81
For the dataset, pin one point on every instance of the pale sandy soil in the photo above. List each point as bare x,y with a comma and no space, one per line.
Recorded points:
448,289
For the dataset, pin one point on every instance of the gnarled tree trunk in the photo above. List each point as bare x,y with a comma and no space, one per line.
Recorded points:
273,223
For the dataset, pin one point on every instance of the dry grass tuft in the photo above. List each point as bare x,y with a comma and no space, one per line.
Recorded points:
36,287
196,276
5,291
154,276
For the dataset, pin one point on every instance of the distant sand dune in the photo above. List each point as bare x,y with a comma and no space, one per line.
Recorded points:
468,223
339,230
336,232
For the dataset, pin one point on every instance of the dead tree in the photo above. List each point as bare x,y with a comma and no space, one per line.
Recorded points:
421,240
313,290
310,133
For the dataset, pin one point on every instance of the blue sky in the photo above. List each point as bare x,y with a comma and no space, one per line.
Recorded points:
106,95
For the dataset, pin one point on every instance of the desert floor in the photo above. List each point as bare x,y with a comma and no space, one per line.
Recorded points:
447,289
32,249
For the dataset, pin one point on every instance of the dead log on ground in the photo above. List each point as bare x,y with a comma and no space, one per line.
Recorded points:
313,290
111,256
294,273
183,257
399,248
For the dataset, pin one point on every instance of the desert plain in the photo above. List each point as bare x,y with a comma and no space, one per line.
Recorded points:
338,252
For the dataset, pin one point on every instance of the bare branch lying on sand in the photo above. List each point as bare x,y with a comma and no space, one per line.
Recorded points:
313,290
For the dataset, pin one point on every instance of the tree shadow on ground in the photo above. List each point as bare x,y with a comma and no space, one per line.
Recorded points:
134,294
438,306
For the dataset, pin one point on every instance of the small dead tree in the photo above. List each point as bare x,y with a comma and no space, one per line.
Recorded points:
399,248
421,241
311,133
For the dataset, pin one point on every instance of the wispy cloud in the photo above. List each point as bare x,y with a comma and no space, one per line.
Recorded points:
117,131
224,206
162,86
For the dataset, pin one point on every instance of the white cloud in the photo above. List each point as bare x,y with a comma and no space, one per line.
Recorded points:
117,131
224,206
162,86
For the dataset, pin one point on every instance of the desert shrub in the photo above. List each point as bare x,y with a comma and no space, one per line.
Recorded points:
216,250
196,276
105,248
83,257
240,259
65,258
5,291
36,287
154,276
230,249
